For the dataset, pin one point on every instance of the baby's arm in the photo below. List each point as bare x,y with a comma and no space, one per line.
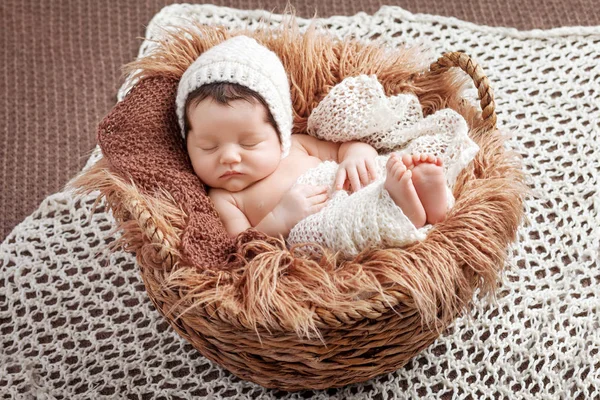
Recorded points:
323,150
297,203
236,222
356,159
232,217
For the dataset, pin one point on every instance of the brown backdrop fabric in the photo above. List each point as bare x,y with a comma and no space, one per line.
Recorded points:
61,63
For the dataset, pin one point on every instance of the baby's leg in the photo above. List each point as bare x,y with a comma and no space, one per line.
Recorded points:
400,186
430,184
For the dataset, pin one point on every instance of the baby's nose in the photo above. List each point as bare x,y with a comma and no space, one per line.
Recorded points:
230,155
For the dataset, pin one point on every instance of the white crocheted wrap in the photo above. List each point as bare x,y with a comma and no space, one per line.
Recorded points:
76,322
358,109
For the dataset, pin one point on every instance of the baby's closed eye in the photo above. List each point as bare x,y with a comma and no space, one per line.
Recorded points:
208,148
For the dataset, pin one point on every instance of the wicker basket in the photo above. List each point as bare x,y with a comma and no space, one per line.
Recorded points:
368,333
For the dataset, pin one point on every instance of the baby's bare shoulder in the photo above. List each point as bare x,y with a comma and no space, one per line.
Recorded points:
299,140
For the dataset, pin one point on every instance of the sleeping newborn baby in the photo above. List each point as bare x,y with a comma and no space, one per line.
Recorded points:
234,108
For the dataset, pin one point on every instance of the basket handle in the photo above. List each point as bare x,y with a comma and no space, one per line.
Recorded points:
466,63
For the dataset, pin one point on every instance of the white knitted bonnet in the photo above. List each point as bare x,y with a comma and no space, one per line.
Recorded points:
244,61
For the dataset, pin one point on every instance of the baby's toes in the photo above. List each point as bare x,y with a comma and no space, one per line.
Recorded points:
416,159
399,171
391,162
405,176
431,159
392,166
408,161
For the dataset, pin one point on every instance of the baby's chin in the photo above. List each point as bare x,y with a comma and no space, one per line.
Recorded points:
234,185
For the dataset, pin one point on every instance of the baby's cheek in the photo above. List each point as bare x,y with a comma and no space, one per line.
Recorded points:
201,167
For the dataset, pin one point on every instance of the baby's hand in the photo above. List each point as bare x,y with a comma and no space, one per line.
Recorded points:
299,202
354,172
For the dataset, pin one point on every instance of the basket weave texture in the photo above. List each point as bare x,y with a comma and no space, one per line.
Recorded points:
273,315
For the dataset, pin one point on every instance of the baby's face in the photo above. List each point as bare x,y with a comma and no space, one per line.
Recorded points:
232,146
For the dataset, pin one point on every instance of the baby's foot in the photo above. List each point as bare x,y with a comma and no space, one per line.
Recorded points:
430,184
399,185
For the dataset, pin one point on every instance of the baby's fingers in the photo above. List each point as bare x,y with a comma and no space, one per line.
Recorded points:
320,198
314,190
318,207
318,202
363,174
340,178
354,179
371,169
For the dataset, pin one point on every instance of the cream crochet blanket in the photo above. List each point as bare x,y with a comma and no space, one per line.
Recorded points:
358,109
76,323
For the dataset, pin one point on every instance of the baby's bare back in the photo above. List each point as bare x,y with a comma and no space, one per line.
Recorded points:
261,198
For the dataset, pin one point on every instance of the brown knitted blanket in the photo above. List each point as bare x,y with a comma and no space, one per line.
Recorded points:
141,141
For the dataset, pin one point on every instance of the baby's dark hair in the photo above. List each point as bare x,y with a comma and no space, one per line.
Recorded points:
224,93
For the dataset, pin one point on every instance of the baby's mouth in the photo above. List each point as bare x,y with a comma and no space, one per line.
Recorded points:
230,173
